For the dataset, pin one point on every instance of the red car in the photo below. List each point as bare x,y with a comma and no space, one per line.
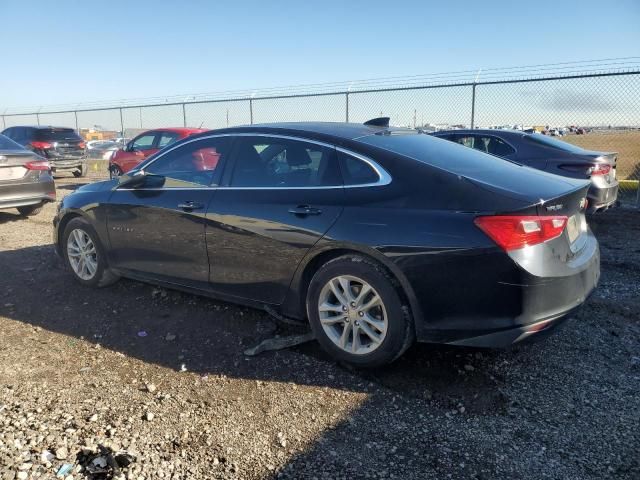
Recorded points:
147,144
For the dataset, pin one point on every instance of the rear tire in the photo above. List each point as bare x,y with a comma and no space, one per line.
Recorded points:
84,255
30,210
354,296
82,172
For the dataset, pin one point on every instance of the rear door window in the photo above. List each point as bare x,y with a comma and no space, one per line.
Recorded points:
279,162
493,145
356,171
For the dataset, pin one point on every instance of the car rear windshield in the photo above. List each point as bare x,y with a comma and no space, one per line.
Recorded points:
8,144
56,134
440,153
553,143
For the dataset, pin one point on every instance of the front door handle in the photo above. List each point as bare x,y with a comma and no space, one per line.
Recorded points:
304,210
189,205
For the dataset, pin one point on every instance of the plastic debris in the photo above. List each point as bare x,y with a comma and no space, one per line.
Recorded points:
105,463
142,333
279,343
64,470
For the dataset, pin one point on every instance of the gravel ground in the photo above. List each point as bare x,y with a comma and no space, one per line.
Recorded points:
162,375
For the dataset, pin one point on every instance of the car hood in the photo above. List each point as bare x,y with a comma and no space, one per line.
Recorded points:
97,186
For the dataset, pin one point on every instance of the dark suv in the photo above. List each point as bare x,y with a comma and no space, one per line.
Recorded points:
61,146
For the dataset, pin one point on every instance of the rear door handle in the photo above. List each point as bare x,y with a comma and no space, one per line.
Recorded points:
189,205
304,210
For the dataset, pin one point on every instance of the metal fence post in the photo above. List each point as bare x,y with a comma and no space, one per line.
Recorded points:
251,111
121,123
346,95
184,116
4,125
75,114
38,118
473,105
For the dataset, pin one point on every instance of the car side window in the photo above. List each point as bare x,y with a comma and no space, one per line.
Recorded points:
279,162
193,164
144,142
497,146
356,171
167,138
467,140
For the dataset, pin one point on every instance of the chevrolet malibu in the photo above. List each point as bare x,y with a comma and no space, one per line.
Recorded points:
377,236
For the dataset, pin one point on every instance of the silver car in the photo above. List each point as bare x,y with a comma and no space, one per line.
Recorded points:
26,182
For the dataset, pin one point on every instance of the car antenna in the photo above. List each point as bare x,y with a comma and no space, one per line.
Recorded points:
378,122
201,123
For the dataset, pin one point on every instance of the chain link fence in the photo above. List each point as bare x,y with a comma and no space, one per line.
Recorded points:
605,105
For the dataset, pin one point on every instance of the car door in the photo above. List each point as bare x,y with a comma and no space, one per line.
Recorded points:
280,197
158,227
138,150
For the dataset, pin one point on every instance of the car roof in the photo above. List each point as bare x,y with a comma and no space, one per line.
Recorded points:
40,127
342,130
483,131
178,130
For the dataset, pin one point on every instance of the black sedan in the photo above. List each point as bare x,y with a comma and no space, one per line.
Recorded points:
378,236
26,183
548,154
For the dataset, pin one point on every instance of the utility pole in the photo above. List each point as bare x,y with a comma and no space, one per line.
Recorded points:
227,117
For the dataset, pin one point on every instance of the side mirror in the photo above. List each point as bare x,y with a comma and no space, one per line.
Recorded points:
141,179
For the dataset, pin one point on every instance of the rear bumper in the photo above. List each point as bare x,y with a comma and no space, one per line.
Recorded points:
24,194
67,163
602,197
490,301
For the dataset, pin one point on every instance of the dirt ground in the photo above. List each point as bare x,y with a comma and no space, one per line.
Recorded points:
163,376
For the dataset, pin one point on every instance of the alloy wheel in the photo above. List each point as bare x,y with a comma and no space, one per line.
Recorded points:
82,254
352,314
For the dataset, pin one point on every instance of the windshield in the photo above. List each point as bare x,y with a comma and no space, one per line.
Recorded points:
56,134
8,144
553,143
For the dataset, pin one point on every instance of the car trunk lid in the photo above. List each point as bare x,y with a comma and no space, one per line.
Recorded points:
12,164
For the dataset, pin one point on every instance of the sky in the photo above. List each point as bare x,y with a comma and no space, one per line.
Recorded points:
82,51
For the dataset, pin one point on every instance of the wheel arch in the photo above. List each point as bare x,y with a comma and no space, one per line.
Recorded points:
295,301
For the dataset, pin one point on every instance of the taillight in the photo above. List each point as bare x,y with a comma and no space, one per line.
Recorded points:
41,145
82,145
600,169
37,165
512,232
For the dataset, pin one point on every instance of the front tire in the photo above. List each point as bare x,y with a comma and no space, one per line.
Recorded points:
84,255
30,210
116,171
357,312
